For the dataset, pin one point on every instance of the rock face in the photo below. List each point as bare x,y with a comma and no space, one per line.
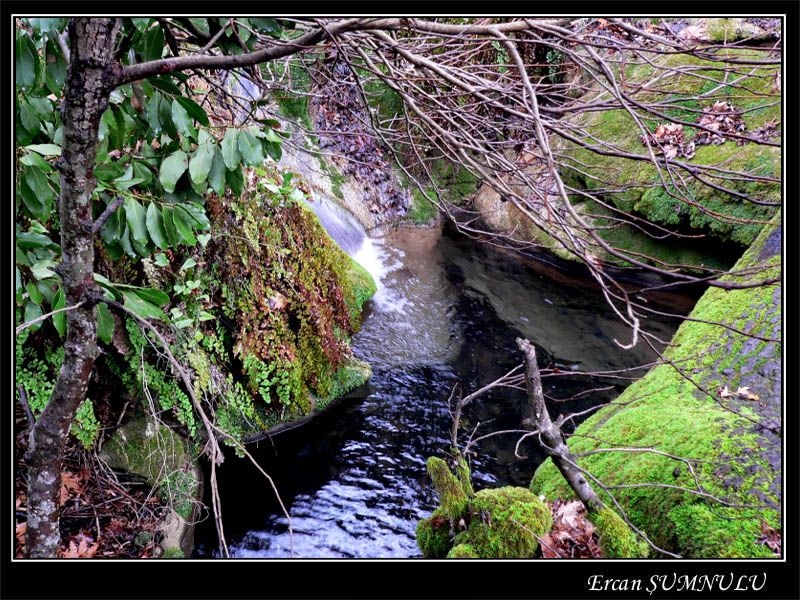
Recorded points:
163,457
727,420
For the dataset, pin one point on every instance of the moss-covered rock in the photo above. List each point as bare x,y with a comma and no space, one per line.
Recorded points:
463,551
291,299
736,458
504,523
433,535
617,540
683,95
163,457
493,523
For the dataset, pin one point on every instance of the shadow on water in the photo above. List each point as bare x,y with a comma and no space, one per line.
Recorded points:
447,311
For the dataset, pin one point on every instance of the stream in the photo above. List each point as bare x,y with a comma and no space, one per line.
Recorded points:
447,310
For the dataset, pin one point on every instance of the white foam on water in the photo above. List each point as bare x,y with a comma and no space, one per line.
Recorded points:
380,263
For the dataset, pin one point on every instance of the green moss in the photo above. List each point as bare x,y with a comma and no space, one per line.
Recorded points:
617,540
179,490
422,210
293,298
146,448
504,523
664,411
360,287
348,377
452,498
433,535
717,214
463,551
173,552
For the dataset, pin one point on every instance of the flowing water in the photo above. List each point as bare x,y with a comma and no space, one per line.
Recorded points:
447,311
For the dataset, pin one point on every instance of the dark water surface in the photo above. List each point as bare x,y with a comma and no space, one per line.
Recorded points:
447,311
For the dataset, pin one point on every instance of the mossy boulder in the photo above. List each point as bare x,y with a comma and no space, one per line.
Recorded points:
617,540
494,523
736,457
161,456
291,299
463,551
683,85
504,523
433,535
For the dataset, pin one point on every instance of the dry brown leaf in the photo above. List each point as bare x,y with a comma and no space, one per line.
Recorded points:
21,529
70,482
80,547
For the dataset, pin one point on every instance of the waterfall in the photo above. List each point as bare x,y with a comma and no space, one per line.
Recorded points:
348,233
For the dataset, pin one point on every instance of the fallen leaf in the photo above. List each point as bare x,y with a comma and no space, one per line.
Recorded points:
70,482
79,547
20,532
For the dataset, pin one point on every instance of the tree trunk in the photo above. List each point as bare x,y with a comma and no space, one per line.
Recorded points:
90,79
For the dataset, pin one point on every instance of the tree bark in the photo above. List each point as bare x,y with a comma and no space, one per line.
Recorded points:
550,433
90,79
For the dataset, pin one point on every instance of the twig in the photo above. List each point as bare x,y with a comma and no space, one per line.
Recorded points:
27,324
104,216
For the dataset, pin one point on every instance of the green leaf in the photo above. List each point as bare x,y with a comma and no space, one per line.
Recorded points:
125,242
167,212
135,217
216,176
165,84
198,215
268,26
27,116
113,228
152,296
250,147
201,25
59,319
235,179
141,307
28,240
172,168
188,264
183,225
109,171
161,260
230,149
34,294
194,109
33,311
272,136
42,269
182,121
105,323
155,226
165,118
153,43
203,238
45,149
200,164
31,159
120,128
26,63
39,184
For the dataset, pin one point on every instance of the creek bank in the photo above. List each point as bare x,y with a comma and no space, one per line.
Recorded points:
736,457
